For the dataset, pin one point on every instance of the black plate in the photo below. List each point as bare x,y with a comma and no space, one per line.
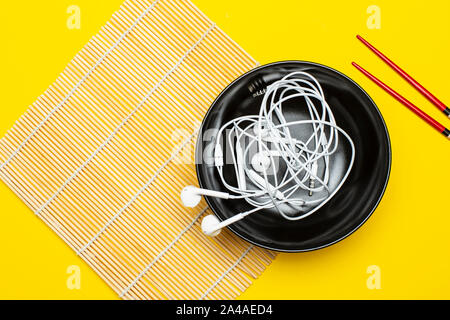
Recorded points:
351,206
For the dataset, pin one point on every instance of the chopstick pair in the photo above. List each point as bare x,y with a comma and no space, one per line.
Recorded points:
441,106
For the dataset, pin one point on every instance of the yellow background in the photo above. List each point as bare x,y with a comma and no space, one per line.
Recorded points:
408,236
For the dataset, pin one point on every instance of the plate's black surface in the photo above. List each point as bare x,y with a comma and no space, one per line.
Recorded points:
355,112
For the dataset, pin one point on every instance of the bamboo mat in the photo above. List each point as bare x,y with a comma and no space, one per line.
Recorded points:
100,157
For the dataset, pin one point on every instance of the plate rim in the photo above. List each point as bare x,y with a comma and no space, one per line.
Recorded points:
389,145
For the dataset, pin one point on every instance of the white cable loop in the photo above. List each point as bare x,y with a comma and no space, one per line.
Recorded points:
275,169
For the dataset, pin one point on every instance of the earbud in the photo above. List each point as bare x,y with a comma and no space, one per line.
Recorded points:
191,196
211,225
261,160
264,131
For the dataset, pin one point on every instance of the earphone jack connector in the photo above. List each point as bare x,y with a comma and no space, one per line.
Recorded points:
312,178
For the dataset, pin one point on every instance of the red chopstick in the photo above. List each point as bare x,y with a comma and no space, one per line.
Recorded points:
405,102
439,104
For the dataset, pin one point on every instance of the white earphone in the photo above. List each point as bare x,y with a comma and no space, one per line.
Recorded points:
191,196
272,168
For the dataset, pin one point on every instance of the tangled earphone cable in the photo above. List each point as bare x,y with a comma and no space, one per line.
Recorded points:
272,168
